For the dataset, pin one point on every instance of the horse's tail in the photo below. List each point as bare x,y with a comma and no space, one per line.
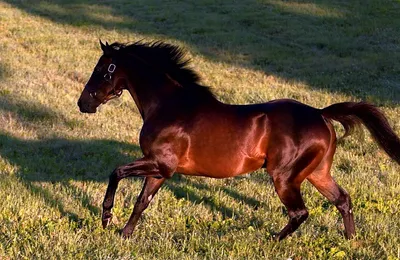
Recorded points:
352,115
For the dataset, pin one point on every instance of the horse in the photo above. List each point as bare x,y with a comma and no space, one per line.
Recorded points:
187,130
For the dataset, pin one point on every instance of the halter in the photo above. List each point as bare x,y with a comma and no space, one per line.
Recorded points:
107,77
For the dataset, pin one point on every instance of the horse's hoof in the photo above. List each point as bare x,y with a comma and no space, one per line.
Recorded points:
276,237
106,219
126,234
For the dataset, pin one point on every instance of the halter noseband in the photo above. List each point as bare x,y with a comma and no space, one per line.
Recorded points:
107,77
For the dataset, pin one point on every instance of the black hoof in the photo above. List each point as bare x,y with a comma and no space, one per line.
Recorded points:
106,219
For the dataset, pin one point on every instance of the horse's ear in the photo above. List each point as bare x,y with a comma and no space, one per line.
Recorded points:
103,47
107,49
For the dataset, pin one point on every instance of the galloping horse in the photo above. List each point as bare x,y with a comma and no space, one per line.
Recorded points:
187,130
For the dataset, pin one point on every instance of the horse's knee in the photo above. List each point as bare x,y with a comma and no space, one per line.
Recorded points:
116,175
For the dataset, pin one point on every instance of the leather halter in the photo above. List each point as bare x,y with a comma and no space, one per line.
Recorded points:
107,77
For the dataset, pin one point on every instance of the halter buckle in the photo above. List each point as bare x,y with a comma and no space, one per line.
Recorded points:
111,67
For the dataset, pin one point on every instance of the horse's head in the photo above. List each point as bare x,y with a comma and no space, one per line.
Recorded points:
106,82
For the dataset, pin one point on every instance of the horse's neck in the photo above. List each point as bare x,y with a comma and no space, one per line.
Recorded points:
149,98
144,102
137,102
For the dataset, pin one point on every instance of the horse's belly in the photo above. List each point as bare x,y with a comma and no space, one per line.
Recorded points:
226,147
221,168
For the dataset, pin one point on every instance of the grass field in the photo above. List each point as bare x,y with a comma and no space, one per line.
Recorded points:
55,161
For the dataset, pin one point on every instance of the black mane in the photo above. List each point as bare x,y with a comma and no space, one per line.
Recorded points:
165,57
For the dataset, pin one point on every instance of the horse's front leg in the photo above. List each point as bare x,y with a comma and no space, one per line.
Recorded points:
140,168
150,188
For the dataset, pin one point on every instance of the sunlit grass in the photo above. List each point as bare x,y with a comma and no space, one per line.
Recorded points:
54,161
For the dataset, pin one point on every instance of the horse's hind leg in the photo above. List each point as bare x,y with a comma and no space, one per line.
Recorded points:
327,186
290,196
287,185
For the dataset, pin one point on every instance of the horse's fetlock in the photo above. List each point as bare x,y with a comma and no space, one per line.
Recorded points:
108,204
300,216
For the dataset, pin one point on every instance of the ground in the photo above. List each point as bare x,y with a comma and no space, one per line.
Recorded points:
55,161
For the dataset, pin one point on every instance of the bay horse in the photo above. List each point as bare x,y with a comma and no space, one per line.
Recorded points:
187,130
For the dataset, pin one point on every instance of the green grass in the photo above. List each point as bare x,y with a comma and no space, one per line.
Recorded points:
55,161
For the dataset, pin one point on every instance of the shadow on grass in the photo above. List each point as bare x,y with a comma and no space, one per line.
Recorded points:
348,47
29,113
26,112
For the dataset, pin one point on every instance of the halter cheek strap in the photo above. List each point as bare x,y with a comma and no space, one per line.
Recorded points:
107,77
110,71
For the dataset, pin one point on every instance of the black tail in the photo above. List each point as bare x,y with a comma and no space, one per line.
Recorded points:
352,114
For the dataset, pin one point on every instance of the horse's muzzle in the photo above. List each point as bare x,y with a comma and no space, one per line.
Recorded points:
86,103
86,108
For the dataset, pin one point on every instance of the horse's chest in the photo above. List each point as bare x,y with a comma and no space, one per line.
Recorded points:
154,139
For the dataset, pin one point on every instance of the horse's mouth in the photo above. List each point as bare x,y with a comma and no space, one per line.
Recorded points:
89,111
